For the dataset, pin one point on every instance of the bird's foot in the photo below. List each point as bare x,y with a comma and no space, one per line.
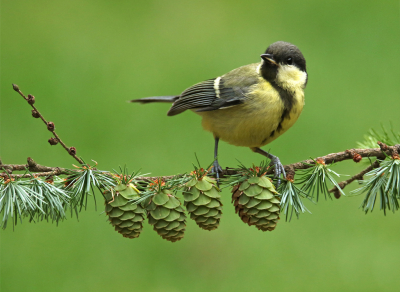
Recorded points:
278,169
217,169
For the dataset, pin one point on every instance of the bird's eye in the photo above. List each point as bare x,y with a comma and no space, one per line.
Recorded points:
289,60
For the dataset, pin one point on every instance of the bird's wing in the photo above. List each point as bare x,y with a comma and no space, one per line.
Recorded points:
217,93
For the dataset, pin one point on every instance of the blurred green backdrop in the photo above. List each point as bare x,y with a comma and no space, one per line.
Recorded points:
84,59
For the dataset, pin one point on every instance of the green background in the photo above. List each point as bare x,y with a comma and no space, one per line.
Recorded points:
84,59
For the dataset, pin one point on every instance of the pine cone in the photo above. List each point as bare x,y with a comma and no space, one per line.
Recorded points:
256,203
126,217
167,216
202,201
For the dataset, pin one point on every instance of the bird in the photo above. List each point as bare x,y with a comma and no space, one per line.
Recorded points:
251,105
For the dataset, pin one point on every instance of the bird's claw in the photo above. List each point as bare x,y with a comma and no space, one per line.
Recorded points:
278,169
217,169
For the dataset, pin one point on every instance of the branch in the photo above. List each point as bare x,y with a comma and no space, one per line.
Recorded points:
380,153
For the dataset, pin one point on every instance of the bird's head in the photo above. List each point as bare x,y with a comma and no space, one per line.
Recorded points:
284,64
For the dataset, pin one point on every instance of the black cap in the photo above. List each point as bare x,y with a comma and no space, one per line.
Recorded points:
287,53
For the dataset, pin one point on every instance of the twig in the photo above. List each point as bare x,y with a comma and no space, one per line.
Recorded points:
358,176
345,155
50,125
32,166
38,174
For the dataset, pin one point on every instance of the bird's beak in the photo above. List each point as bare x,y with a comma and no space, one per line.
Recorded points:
269,58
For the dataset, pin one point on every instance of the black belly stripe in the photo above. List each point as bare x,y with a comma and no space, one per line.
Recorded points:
266,138
272,134
285,114
288,102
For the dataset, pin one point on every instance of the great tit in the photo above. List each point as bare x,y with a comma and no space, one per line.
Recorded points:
251,105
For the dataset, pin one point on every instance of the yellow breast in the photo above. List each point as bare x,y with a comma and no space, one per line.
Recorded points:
257,121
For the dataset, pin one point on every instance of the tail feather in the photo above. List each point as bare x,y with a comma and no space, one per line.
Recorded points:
169,99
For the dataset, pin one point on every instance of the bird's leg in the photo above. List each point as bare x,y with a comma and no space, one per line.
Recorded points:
278,167
216,167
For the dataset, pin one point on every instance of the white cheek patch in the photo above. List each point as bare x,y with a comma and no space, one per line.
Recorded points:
216,86
290,76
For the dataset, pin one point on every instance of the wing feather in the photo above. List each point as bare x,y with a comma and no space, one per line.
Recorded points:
203,96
